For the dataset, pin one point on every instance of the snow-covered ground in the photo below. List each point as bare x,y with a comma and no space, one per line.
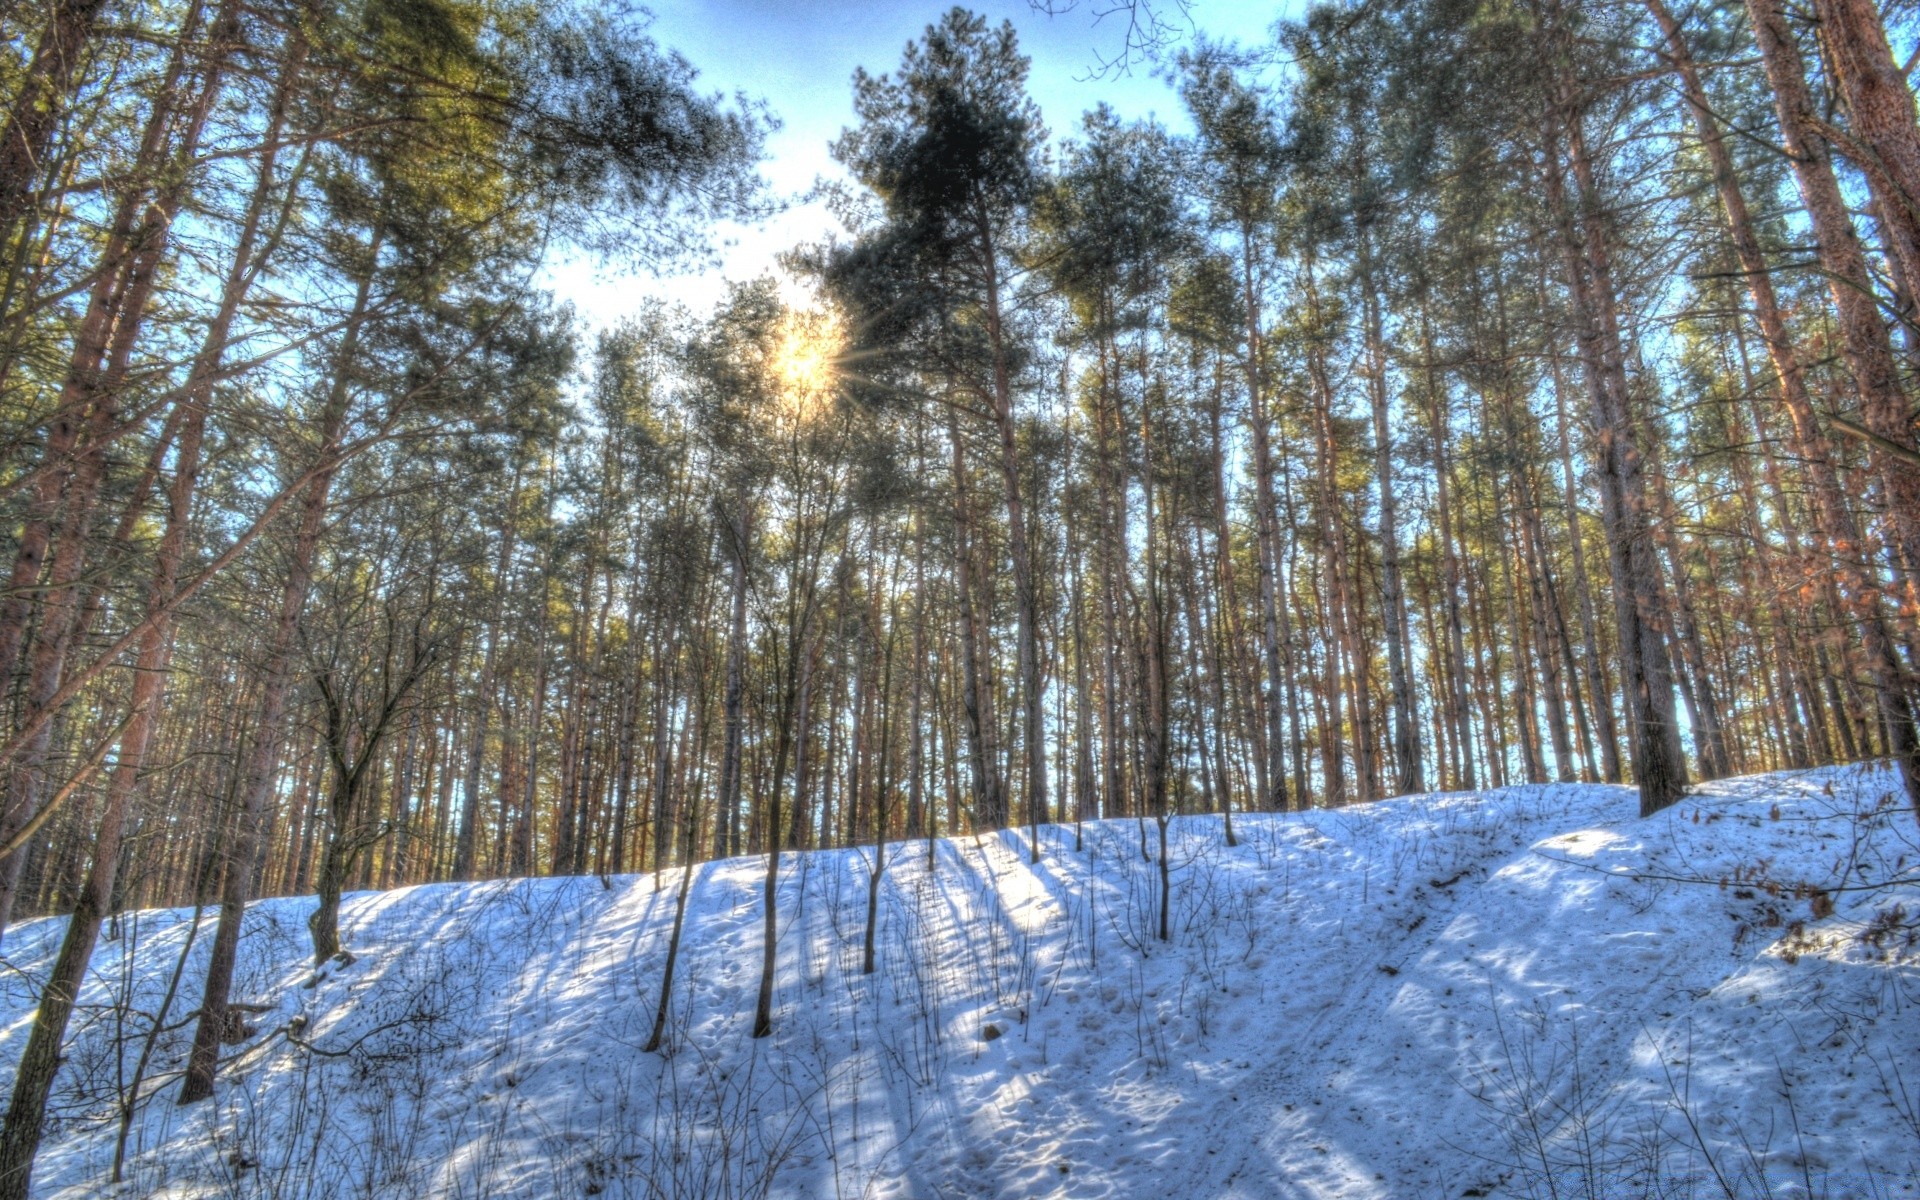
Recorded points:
1527,992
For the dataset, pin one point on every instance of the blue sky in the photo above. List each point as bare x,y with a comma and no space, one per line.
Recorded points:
799,58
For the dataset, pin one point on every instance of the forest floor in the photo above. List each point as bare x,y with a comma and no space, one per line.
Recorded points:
1524,992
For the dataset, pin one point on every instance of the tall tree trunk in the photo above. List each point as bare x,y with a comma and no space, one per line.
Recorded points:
1393,598
1884,406
1599,690
1525,704
1156,734
916,685
1639,604
1343,605
1533,559
466,847
257,775
106,332
1450,581
1026,585
1884,137
727,810
1273,607
33,1080
983,763
1835,521
67,485
1240,667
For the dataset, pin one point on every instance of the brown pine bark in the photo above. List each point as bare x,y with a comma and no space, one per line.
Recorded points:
42,97
107,330
1884,406
1838,529
1882,135
33,1080
63,505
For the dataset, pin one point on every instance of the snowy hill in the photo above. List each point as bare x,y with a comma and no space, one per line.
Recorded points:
1527,992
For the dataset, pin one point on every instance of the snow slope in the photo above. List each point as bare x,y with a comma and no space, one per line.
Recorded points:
1526,992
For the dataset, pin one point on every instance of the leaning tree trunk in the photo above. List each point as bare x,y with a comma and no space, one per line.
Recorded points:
256,780
33,1080
1884,137
658,1036
111,319
67,484
256,790
1869,354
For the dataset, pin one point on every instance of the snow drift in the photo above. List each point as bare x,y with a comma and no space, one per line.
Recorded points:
1523,992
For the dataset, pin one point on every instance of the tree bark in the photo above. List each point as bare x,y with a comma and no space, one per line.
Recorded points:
1408,773
1838,529
33,1080
41,100
727,810
1884,137
1639,605
1884,407
1026,586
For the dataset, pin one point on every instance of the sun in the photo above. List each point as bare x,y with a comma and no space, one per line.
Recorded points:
806,358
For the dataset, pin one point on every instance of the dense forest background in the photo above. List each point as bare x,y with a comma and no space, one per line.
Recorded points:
1488,391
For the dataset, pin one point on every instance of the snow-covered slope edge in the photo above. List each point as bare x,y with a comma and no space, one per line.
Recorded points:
1526,992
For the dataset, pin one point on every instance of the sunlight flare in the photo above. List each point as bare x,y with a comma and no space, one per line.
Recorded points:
807,359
